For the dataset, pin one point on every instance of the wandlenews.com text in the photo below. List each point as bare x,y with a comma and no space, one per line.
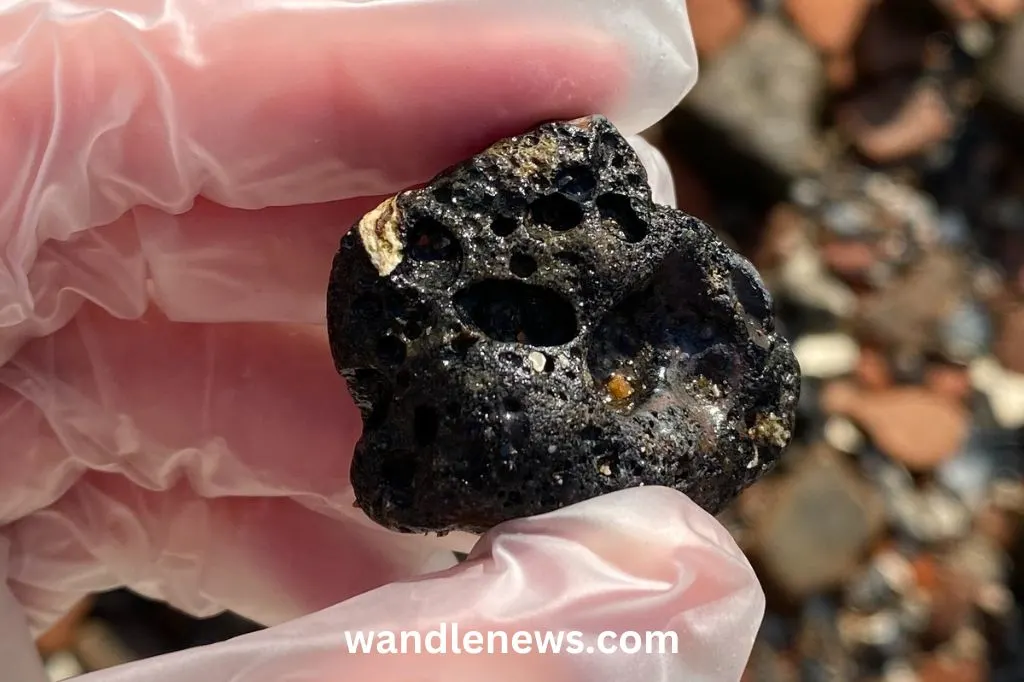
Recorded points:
448,638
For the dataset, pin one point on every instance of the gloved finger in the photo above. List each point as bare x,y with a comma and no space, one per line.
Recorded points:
659,174
374,96
599,566
252,105
215,264
270,559
236,411
251,410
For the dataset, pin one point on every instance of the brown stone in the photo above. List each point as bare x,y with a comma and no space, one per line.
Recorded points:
913,425
850,259
1009,343
829,25
904,316
824,519
716,23
922,122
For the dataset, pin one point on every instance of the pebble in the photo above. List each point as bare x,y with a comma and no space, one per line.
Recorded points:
716,24
843,435
1003,388
931,515
905,314
915,426
830,25
822,519
775,123
851,260
826,355
923,121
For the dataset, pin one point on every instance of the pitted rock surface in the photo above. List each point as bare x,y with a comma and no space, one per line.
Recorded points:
529,331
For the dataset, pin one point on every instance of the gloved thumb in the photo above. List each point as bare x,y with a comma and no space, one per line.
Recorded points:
649,587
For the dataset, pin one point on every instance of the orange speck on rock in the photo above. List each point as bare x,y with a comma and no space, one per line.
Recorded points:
619,387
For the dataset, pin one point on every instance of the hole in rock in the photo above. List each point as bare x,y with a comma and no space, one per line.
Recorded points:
443,194
463,342
619,209
402,380
512,404
391,349
556,211
424,425
503,226
577,182
522,265
429,240
514,311
656,330
412,330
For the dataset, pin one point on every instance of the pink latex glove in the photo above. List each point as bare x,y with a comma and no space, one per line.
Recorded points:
176,178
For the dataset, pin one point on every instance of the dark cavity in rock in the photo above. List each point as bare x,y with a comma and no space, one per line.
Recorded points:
530,330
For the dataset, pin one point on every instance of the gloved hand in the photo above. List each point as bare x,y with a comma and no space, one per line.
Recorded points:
176,177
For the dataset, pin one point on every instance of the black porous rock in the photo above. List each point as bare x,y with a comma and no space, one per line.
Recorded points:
529,331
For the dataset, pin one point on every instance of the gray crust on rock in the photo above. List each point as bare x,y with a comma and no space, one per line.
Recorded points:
529,331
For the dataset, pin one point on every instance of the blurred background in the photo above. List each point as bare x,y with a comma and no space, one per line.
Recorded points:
868,157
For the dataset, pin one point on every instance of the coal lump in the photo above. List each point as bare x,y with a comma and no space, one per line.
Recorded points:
529,330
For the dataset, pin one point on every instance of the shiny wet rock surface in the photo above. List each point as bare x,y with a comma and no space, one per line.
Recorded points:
529,330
